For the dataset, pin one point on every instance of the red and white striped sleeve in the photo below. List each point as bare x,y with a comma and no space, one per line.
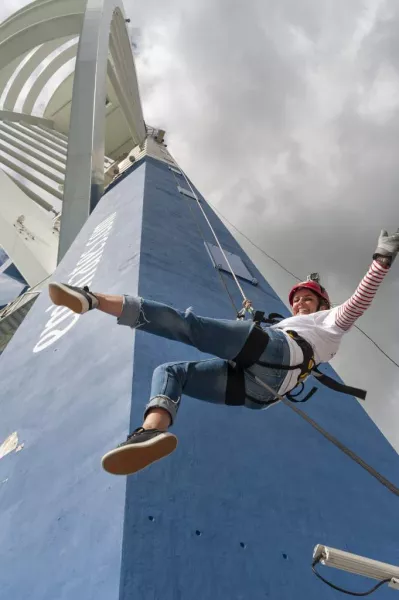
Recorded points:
353,308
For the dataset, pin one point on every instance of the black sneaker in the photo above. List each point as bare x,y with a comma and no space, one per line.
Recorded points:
78,299
141,449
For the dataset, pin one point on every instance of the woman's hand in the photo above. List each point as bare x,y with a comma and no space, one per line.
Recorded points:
247,304
387,248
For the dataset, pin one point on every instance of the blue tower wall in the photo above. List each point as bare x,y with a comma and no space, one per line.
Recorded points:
235,512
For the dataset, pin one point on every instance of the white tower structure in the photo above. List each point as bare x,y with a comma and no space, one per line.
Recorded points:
66,69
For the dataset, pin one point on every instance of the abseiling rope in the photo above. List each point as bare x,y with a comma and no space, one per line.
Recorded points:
352,455
213,231
383,480
202,236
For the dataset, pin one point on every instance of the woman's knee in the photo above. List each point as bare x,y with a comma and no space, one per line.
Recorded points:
170,367
193,326
168,372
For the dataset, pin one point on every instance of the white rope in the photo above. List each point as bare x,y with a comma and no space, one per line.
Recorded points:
214,235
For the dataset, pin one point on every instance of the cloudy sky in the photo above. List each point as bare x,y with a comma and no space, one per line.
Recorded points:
285,115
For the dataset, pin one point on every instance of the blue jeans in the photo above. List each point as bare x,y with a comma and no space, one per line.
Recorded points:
204,379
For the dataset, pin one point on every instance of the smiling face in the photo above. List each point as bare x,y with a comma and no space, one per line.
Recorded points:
305,302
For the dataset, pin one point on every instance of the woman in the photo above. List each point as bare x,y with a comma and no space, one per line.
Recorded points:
243,349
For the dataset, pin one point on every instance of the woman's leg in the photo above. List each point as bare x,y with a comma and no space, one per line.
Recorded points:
221,337
210,380
109,304
205,380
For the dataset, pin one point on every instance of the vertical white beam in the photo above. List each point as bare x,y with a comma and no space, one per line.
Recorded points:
84,181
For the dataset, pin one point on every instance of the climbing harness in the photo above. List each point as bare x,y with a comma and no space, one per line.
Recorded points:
258,316
254,347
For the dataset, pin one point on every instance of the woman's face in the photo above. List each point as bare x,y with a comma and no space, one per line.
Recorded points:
305,302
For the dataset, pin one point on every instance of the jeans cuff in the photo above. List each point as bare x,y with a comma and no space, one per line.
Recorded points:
171,406
132,314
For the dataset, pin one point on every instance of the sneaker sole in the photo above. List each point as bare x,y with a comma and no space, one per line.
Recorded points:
62,296
134,457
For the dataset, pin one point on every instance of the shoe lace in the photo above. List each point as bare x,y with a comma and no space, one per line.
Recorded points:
135,432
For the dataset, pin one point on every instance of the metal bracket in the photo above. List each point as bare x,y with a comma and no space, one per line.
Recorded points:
394,583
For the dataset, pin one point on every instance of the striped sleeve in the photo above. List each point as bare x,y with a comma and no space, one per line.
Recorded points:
353,308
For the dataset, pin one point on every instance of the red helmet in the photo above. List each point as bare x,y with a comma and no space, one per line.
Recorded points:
310,285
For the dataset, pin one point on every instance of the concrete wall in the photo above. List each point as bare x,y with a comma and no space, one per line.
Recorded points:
235,512
66,391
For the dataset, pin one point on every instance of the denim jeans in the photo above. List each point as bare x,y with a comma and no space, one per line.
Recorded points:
204,379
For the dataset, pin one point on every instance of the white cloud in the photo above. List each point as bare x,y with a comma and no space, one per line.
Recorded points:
381,101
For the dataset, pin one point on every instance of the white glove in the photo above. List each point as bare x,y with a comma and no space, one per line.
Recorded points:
388,246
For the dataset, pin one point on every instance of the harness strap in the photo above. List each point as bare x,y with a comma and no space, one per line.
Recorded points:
306,365
253,348
272,319
308,355
337,386
294,397
235,388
